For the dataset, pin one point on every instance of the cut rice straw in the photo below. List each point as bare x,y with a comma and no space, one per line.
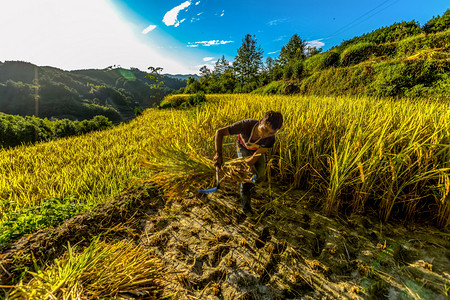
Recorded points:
179,173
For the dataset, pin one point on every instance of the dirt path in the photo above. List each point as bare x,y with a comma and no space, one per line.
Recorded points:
286,250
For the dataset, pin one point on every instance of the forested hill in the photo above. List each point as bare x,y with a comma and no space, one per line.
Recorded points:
27,89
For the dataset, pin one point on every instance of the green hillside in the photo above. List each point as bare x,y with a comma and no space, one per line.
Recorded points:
47,92
401,60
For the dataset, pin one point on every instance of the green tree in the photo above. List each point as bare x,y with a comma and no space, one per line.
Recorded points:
154,75
192,86
312,50
438,23
273,70
248,61
293,50
221,65
206,78
228,81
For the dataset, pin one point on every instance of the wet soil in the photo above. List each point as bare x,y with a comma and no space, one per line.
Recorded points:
286,249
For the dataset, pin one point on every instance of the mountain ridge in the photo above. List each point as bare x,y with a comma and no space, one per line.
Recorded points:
50,92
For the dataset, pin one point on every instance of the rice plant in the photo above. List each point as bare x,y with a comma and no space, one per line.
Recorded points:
101,271
392,155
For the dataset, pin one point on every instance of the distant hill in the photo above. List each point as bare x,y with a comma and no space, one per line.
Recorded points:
183,77
48,92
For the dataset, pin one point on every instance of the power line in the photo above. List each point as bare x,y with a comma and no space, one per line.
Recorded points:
368,14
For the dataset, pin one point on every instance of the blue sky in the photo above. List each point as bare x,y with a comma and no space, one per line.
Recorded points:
182,35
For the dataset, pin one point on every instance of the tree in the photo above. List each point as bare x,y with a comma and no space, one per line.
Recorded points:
248,61
205,72
154,75
221,65
192,86
273,71
438,23
312,50
293,50
205,78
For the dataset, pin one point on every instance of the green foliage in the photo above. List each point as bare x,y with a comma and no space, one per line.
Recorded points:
414,44
396,79
248,61
288,71
298,69
137,111
196,99
393,33
293,70
183,101
402,78
330,59
193,86
51,212
442,86
438,23
356,54
173,101
17,130
322,61
273,88
17,97
380,63
294,50
26,89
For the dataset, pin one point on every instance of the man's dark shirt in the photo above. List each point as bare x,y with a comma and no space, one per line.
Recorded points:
244,130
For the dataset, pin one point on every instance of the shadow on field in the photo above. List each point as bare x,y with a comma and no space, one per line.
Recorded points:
287,249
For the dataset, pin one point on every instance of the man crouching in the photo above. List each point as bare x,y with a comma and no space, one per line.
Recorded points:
254,139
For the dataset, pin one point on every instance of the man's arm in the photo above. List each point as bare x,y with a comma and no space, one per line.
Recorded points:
254,158
218,141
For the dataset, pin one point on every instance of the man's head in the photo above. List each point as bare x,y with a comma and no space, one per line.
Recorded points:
270,123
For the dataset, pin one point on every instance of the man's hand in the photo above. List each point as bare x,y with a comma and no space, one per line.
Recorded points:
218,160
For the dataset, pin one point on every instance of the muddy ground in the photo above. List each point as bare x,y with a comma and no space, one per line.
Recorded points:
287,249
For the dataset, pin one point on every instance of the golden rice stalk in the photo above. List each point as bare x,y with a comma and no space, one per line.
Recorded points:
178,172
101,271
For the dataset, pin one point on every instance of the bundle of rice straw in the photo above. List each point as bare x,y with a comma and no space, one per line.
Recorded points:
178,172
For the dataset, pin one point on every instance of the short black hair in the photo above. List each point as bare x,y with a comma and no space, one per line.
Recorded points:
274,118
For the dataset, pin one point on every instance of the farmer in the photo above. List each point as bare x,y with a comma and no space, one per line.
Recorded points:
254,139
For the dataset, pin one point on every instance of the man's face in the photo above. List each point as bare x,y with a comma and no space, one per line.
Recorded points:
265,130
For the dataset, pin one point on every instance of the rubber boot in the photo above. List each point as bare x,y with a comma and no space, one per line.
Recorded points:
245,191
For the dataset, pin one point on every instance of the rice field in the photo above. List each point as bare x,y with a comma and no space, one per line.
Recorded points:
358,152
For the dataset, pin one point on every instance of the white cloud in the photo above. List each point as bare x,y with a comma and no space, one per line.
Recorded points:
197,3
223,13
316,43
148,29
170,18
274,52
208,58
196,19
280,38
276,22
76,35
208,43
